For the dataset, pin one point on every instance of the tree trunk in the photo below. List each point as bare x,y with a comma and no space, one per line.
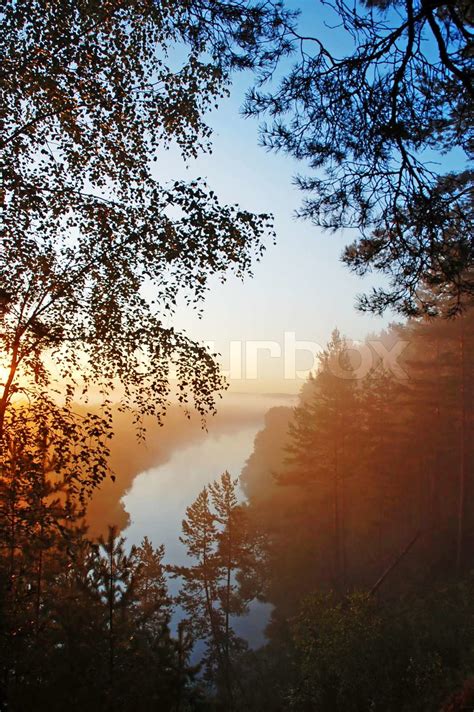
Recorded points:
337,523
462,455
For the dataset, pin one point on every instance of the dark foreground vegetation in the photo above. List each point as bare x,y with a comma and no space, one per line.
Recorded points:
357,527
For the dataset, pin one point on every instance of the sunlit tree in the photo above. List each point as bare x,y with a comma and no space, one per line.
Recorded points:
320,455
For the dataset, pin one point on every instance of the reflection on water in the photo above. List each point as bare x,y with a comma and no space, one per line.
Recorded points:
158,499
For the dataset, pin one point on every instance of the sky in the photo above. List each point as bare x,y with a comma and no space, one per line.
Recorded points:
300,292
300,287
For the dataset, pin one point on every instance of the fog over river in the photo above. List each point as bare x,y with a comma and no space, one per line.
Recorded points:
158,497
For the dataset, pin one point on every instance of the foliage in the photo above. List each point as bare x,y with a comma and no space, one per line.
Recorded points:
96,249
373,120
217,539
103,638
356,654
364,463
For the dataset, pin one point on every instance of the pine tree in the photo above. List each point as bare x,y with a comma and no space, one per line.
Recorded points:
319,456
216,587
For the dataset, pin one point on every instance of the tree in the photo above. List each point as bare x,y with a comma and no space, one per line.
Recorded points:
148,662
372,119
70,665
47,467
319,453
359,654
104,636
95,248
216,587
153,601
399,453
235,552
113,580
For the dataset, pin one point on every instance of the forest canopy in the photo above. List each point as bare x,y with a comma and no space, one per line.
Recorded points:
356,530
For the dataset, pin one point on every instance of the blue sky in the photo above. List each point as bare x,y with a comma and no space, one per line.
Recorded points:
300,286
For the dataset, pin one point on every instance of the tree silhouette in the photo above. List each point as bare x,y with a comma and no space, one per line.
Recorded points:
371,120
95,248
319,440
218,540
